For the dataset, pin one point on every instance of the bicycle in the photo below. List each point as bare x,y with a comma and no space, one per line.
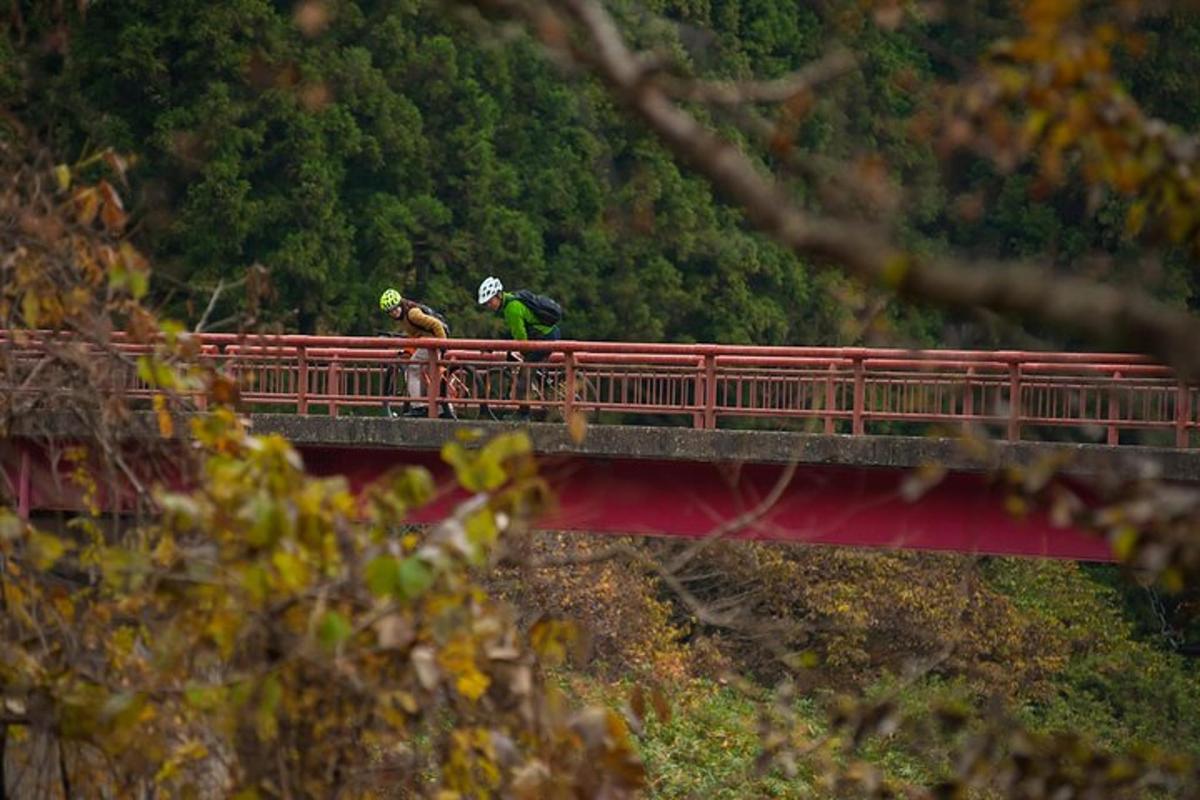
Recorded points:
545,389
457,383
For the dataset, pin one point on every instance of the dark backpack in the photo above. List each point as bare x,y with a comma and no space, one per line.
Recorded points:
436,314
548,311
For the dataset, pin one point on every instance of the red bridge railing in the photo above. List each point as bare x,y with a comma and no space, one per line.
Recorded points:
859,391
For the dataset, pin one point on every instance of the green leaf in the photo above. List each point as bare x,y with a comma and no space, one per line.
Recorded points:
481,528
508,445
139,284
383,575
476,472
414,486
333,630
204,698
255,581
270,523
155,372
10,525
265,719
31,309
415,576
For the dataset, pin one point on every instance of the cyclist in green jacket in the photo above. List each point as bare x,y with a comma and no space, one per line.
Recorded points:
523,323
529,317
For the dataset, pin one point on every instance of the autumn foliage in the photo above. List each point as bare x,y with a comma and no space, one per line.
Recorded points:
264,633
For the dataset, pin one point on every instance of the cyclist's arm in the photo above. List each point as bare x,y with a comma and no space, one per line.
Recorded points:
427,323
514,315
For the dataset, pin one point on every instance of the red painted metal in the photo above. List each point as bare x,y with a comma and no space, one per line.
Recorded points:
820,505
855,390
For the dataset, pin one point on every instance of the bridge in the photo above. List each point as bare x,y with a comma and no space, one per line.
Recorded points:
821,445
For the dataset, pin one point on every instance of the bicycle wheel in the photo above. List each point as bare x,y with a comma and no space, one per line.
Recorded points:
557,389
490,384
461,388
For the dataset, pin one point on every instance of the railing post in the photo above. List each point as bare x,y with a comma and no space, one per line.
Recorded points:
434,381
968,398
569,380
710,391
335,384
1114,411
1014,401
1183,415
858,424
829,398
200,398
23,483
302,382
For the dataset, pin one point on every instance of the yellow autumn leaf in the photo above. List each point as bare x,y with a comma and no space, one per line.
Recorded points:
293,572
481,528
31,309
87,204
190,751
223,629
458,659
62,176
577,426
1124,542
166,426
45,549
472,684
551,638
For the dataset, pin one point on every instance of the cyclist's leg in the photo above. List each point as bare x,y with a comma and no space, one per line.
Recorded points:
519,386
391,384
539,377
445,408
413,374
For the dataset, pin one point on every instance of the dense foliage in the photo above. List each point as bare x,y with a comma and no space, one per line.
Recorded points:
352,145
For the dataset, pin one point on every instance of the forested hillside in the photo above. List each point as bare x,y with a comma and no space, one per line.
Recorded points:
362,144
247,164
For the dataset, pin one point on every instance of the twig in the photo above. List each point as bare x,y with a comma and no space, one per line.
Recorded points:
740,521
63,775
212,302
779,90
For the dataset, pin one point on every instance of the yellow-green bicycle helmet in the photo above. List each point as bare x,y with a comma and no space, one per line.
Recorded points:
389,299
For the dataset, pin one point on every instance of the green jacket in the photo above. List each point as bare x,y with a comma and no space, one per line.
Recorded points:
520,319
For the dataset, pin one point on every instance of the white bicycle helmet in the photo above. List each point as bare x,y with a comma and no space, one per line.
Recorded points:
489,289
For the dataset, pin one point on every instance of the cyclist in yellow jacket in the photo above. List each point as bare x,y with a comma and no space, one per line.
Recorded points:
416,320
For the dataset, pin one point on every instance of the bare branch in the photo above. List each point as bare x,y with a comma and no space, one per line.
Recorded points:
806,79
212,303
203,324
742,520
